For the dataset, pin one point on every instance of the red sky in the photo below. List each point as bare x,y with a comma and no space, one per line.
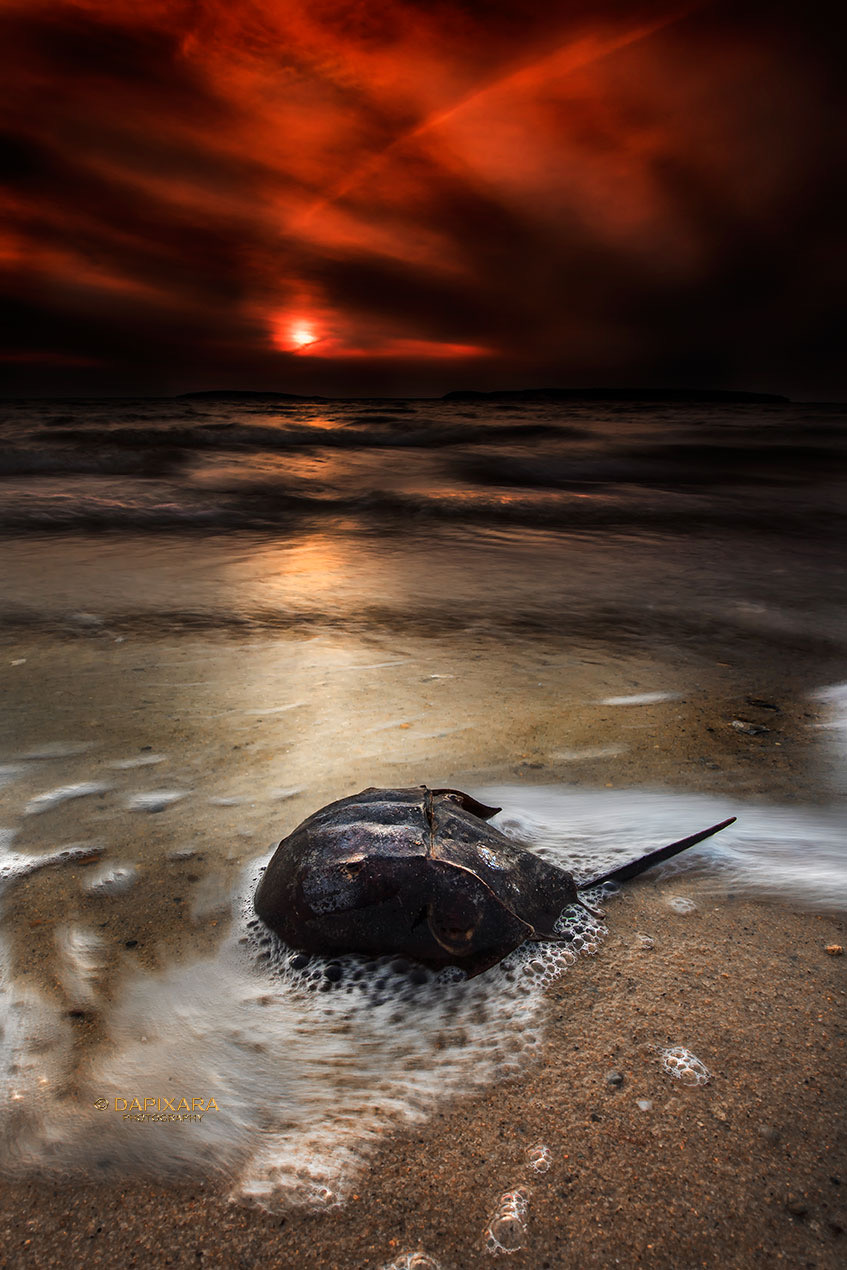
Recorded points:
334,196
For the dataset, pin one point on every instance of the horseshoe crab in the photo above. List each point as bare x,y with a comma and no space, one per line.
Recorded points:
419,873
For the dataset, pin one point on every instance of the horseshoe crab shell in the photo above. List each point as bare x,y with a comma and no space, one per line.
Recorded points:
419,873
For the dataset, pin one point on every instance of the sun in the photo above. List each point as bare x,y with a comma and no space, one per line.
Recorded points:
302,335
295,332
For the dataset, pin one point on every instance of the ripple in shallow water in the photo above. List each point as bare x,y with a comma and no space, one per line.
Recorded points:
782,852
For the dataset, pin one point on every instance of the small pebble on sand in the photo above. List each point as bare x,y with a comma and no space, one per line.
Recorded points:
749,729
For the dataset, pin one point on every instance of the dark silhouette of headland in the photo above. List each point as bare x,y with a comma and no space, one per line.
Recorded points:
681,396
658,395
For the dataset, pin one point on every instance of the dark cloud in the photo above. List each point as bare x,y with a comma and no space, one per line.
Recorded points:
385,197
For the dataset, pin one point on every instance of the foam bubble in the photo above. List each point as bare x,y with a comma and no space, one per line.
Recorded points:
684,1065
310,1060
54,797
19,864
155,799
413,1261
540,1158
112,880
506,1230
680,904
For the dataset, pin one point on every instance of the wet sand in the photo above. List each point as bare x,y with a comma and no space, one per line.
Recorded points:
745,1170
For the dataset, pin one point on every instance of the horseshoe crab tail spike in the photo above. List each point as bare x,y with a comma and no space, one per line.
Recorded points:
626,871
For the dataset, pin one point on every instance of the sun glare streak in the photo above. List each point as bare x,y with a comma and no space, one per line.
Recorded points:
572,55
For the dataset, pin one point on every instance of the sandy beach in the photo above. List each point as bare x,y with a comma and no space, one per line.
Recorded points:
641,1169
745,1170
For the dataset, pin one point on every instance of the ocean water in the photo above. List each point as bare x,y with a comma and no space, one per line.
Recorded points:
596,517
219,613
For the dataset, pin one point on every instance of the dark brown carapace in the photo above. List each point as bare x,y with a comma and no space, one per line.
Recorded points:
420,873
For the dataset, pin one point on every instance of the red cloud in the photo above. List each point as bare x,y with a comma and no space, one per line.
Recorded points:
419,183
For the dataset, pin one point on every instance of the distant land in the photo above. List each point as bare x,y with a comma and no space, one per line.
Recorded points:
236,394
617,394
680,395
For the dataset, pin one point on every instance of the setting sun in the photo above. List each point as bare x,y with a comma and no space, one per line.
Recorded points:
302,335
294,334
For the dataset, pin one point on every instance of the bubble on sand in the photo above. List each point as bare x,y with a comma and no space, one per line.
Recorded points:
644,1104
112,880
685,1066
64,793
155,799
642,942
413,1261
540,1158
681,904
19,865
506,1231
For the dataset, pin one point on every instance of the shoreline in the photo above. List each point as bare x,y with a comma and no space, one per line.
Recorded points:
734,1173
742,1171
